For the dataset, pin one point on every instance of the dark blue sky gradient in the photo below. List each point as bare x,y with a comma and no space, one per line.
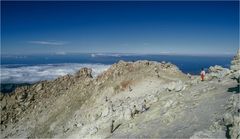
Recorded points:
121,27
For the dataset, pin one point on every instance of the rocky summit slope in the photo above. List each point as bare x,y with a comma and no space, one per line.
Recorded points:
141,99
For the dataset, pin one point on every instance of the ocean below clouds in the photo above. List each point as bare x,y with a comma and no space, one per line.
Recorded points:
34,68
35,73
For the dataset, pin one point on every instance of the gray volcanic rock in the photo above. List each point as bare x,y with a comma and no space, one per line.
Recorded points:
208,134
142,99
231,117
235,64
218,72
177,86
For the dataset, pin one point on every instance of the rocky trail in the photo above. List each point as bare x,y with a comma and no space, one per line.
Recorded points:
195,109
141,99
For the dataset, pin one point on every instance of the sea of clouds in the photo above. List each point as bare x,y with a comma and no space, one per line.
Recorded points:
32,74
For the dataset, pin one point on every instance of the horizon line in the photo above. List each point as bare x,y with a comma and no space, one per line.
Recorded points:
121,54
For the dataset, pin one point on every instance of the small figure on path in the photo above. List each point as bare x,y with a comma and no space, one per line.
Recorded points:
202,74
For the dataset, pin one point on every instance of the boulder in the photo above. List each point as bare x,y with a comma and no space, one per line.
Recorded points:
218,72
177,86
171,86
84,72
93,130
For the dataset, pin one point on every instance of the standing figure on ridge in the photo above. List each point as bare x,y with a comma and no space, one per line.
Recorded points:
202,74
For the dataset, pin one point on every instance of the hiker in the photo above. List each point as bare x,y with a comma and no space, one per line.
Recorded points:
135,111
202,74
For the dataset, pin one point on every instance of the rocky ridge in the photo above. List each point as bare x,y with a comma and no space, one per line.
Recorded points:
111,105
236,62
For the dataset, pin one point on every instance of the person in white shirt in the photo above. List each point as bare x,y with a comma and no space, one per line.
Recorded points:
202,74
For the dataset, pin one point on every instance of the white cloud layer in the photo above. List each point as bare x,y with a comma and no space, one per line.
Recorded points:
31,74
47,42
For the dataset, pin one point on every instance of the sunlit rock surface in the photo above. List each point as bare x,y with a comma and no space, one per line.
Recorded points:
141,99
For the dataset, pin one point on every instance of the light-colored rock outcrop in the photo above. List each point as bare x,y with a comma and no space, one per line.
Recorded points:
176,86
235,64
218,72
229,124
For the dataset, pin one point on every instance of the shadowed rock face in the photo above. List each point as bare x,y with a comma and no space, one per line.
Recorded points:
9,87
143,98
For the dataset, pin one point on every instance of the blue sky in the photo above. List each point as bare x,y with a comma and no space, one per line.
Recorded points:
120,27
